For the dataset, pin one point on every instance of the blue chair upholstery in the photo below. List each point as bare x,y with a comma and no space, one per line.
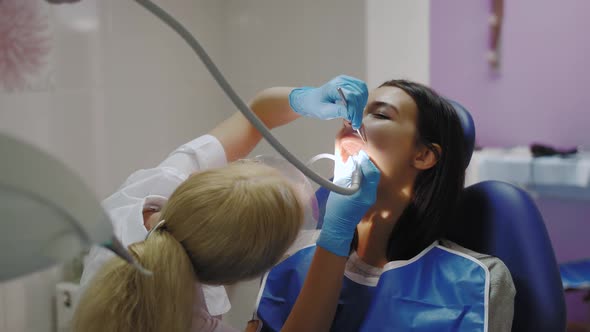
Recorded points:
575,275
468,129
502,220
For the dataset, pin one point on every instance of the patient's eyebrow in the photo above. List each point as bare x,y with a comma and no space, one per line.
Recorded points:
377,103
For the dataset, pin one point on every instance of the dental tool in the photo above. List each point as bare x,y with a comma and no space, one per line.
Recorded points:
242,106
356,173
320,157
358,131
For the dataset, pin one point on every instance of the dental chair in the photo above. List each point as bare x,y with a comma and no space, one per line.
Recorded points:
502,220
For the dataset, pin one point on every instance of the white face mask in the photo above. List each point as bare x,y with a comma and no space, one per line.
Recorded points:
309,232
300,183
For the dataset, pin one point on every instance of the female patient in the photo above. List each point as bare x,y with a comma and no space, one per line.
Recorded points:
401,274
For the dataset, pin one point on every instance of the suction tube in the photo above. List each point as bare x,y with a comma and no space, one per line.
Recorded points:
243,107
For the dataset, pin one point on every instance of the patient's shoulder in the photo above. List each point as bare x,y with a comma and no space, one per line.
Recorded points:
502,290
500,277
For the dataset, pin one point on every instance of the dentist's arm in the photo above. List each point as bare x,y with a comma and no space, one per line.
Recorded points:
239,137
316,304
281,105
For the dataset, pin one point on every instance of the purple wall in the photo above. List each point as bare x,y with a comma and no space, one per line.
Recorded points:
541,91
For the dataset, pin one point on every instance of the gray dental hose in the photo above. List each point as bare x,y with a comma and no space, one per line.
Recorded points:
243,107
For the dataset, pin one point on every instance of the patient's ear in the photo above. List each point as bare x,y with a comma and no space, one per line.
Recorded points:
425,157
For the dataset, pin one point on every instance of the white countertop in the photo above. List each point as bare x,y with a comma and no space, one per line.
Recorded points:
567,177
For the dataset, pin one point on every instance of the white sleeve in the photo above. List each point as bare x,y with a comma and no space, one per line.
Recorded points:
205,320
126,204
199,154
216,300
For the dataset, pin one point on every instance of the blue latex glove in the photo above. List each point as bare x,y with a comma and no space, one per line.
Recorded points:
343,212
325,102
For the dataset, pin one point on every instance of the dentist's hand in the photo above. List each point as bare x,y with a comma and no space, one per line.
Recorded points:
325,102
343,212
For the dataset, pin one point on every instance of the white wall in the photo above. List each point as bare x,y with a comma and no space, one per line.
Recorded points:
126,90
57,116
291,43
398,40
158,95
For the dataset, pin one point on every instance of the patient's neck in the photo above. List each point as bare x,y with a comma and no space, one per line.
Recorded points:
376,226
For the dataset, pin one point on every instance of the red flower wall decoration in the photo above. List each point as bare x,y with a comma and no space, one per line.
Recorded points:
24,43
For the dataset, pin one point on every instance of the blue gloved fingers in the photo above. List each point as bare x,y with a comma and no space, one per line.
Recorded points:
371,174
326,103
357,95
343,213
317,103
343,171
333,100
333,111
299,99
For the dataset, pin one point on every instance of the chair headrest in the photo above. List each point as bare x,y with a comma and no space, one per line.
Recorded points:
468,129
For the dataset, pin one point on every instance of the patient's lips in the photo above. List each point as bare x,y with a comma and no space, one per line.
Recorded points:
350,145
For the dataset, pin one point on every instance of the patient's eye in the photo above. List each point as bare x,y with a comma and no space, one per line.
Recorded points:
382,111
379,115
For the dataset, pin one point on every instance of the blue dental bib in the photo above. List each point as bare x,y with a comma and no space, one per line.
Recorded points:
438,290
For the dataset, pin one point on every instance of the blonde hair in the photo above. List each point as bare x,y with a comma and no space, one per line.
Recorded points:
221,226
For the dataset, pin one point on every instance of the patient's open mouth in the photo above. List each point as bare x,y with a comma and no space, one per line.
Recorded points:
350,146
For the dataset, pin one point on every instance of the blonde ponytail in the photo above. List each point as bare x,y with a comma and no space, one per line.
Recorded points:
221,226
120,298
235,222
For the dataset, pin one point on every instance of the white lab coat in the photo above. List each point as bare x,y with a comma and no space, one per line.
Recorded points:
153,187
